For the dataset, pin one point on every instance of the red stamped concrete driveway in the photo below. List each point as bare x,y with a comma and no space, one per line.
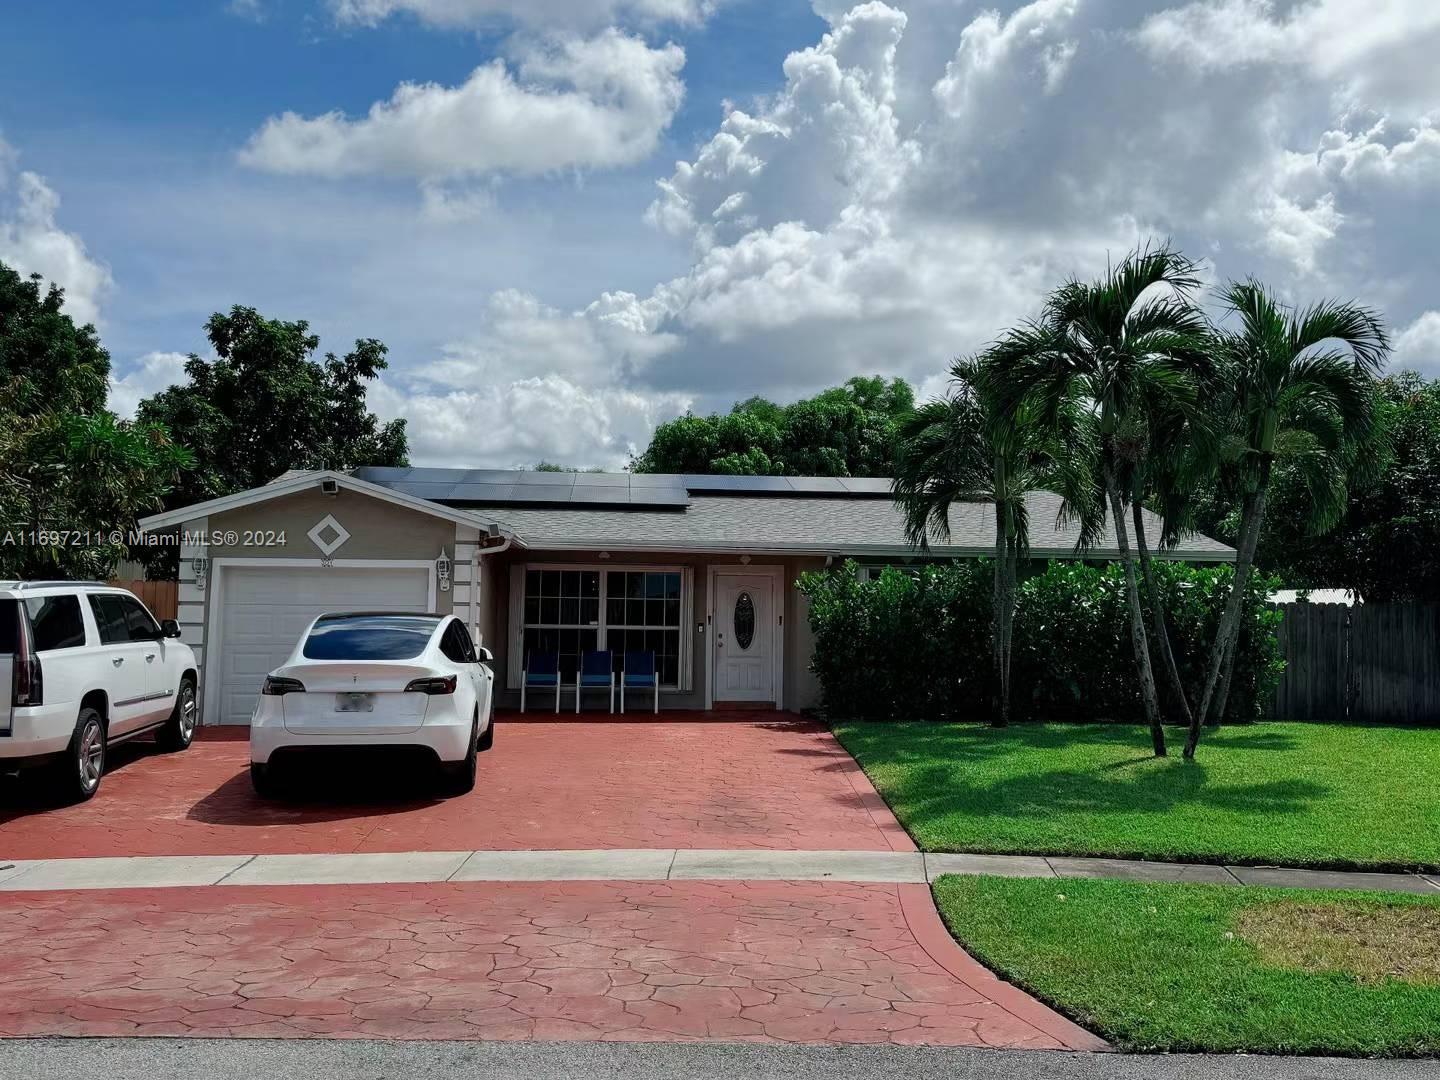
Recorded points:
772,783
774,961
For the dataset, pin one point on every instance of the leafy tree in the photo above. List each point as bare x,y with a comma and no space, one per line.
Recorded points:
1116,352
66,464
848,430
1294,396
265,406
959,449
1386,546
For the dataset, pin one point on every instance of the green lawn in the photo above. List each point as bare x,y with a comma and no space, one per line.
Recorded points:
1296,794
1213,967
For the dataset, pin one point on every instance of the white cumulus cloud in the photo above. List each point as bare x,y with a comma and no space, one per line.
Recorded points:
147,376
32,242
543,14
577,102
1418,346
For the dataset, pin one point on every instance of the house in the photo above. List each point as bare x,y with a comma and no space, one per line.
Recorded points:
701,569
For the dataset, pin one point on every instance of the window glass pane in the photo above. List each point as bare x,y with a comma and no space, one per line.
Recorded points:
635,585
55,622
109,619
569,610
550,610
532,583
672,612
142,626
655,585
615,609
9,626
532,608
672,587
590,611
634,612
570,583
550,583
590,583
369,637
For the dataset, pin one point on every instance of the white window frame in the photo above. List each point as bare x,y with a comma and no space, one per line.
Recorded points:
687,600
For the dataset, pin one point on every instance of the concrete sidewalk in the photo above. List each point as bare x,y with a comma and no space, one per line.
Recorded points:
645,864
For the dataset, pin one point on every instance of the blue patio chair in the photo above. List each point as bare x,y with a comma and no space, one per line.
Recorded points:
542,670
639,672
597,669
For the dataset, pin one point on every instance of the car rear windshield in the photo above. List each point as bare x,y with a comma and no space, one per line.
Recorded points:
9,626
369,637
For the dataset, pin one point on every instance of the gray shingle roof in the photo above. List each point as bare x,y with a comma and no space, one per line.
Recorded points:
809,524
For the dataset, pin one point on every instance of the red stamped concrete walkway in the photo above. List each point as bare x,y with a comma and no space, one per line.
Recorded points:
772,783
781,962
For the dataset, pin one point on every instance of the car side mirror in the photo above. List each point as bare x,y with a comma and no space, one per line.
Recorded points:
169,628
484,655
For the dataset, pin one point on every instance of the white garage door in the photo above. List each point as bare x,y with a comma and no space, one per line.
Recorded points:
265,611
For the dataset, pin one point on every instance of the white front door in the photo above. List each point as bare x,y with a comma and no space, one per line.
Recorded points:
744,637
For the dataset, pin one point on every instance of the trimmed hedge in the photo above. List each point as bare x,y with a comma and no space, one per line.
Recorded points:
915,645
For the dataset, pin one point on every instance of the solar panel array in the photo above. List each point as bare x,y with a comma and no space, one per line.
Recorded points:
486,486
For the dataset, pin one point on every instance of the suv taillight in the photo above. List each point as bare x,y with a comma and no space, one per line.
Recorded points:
29,681
432,686
279,687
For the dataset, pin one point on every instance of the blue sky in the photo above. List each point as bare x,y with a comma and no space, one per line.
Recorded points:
571,221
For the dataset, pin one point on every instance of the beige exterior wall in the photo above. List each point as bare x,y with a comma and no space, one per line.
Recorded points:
379,531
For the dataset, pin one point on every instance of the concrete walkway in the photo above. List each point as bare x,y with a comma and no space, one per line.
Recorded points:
645,864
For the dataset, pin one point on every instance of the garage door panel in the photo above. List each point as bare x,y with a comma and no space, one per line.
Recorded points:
265,611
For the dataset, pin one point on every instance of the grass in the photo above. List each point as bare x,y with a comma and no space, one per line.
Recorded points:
1211,967
1289,794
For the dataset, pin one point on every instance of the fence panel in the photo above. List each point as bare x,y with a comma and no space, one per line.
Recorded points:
161,597
1395,663
1315,641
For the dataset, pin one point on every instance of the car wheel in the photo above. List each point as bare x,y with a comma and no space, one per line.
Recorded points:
262,779
460,776
487,740
84,762
179,730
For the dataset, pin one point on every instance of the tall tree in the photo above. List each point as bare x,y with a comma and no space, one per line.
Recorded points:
1302,390
1119,350
848,430
265,405
959,449
67,465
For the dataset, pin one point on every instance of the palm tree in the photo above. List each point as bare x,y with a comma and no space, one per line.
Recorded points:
1294,395
956,449
1121,350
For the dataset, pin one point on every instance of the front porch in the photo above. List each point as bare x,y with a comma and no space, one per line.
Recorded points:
727,632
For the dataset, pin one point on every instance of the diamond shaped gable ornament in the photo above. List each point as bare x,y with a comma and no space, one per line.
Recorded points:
328,535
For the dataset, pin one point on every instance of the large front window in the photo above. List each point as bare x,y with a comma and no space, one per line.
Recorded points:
570,611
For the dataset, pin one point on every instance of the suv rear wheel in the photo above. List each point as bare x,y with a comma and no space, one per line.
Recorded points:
84,762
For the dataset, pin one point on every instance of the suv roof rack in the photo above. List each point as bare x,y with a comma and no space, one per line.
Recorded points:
21,586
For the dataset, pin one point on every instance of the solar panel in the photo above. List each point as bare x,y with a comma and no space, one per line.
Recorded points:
738,484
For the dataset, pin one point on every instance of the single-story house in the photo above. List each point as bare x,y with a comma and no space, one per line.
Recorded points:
700,569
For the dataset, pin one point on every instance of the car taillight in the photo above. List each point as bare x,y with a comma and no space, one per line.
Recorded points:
432,686
29,681
278,687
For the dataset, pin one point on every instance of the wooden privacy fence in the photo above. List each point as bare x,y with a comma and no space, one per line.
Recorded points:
1371,663
161,597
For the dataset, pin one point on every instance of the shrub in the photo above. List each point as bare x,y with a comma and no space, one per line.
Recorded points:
916,644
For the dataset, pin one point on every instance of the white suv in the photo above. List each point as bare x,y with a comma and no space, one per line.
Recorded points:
84,666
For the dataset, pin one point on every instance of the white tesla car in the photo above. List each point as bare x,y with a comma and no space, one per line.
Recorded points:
377,679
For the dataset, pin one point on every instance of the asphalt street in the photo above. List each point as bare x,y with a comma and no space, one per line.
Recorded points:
246,1059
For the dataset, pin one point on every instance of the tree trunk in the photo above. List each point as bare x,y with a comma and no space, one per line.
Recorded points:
1229,629
1222,695
1012,558
1000,705
1157,614
1148,696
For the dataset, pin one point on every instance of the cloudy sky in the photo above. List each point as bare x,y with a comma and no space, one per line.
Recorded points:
573,219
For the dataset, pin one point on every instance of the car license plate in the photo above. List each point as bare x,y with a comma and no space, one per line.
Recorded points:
354,702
